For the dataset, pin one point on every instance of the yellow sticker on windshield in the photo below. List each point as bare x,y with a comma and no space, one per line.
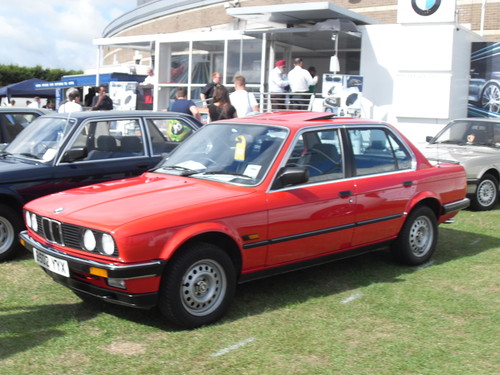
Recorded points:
241,145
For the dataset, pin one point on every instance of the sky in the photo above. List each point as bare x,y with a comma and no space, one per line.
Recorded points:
55,33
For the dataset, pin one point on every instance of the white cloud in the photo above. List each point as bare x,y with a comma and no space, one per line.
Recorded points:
55,33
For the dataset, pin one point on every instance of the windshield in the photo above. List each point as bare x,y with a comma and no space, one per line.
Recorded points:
234,153
470,132
41,139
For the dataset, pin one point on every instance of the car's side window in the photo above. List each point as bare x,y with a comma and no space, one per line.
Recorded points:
376,151
321,153
166,134
111,139
15,123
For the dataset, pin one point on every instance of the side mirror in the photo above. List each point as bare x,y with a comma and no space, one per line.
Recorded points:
429,138
74,154
288,176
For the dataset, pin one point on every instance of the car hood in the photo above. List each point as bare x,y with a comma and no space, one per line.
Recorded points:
151,196
14,169
456,153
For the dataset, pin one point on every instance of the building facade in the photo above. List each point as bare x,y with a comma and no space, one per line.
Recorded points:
185,41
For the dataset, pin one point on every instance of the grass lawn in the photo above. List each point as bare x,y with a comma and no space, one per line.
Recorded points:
364,315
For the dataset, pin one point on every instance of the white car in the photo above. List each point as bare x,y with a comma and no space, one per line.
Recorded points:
474,143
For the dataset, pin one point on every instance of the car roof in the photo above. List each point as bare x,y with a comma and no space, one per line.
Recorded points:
42,111
477,119
301,119
82,115
114,113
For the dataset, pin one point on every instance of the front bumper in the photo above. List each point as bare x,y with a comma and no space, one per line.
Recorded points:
78,265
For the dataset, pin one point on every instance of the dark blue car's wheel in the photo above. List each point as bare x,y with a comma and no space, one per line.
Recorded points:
10,226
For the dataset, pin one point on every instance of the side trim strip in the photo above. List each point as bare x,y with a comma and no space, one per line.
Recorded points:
319,232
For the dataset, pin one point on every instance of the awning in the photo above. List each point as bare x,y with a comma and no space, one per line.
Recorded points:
306,25
89,80
298,13
25,89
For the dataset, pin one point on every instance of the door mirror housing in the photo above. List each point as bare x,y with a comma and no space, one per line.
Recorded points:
74,154
289,176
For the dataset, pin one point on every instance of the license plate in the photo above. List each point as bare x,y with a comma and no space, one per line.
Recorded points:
55,265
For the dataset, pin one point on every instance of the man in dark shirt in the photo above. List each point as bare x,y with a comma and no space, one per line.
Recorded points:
184,105
207,92
102,102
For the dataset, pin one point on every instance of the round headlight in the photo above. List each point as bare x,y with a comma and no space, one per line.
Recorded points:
34,222
89,241
28,219
108,245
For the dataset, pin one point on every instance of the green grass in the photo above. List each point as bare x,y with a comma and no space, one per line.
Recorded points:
364,315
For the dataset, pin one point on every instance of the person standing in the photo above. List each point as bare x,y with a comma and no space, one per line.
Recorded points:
278,85
73,102
221,108
12,103
300,80
244,101
36,103
102,102
150,78
183,105
207,92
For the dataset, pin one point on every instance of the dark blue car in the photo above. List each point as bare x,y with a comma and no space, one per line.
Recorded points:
60,151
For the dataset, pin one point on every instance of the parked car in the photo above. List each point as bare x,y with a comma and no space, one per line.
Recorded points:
474,143
58,152
240,200
13,120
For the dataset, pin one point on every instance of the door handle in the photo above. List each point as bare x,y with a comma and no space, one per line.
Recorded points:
346,193
407,183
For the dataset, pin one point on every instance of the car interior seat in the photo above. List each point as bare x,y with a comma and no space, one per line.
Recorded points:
131,145
321,159
106,146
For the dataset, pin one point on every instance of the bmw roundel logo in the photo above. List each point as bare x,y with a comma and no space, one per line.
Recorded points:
425,7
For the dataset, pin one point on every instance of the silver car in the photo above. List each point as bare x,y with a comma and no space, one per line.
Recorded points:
474,143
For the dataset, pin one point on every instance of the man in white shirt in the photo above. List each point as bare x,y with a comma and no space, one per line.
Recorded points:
300,79
244,101
72,104
36,103
277,85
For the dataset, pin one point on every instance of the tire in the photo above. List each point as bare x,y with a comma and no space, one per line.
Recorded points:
197,286
486,195
417,240
10,226
490,97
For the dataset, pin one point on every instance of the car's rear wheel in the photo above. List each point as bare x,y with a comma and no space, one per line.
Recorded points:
486,194
10,226
417,240
197,286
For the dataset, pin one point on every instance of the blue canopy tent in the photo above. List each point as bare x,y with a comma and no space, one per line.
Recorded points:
26,89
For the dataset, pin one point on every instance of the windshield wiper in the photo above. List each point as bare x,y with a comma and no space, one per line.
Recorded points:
183,171
29,155
229,173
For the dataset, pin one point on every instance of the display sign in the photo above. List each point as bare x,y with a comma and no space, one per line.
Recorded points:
484,84
426,11
342,94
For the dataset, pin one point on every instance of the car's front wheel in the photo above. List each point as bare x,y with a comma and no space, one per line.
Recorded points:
417,240
486,194
10,226
198,286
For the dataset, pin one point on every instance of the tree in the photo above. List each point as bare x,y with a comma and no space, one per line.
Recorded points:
14,73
